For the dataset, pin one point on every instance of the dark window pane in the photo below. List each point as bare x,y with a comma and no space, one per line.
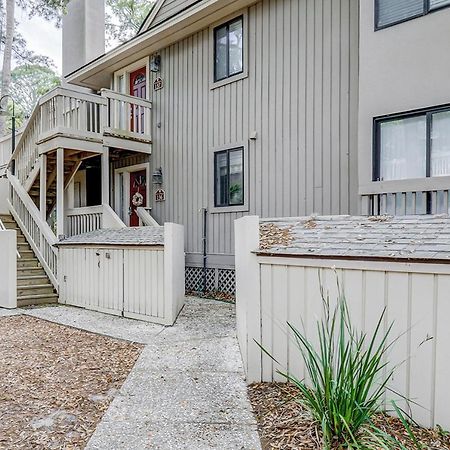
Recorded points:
440,144
236,178
221,53
392,11
434,4
221,179
236,47
403,148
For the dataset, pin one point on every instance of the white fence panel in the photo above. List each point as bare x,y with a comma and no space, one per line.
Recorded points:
141,282
272,290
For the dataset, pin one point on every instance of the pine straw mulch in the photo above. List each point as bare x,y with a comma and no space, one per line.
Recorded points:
56,382
283,424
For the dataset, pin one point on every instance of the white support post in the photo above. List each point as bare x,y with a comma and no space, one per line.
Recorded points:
60,192
105,176
248,286
43,187
8,269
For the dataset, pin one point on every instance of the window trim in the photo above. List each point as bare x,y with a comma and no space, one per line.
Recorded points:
426,10
376,145
212,50
227,26
244,207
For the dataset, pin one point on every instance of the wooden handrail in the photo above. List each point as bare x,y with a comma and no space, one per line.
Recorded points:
107,93
146,218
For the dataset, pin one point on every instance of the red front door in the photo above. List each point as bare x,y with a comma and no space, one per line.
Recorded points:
138,88
138,194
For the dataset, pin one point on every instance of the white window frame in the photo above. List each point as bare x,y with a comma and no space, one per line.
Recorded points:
127,70
211,179
240,76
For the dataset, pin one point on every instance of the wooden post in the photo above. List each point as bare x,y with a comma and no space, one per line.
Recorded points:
105,176
60,192
43,187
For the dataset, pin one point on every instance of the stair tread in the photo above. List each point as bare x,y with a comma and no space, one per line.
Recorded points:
36,296
36,286
31,277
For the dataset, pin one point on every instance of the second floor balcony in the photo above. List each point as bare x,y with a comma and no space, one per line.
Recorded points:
111,119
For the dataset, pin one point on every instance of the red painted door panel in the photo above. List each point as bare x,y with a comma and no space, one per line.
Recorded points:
138,88
138,194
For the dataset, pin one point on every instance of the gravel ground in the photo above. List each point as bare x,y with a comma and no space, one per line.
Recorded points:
284,424
56,382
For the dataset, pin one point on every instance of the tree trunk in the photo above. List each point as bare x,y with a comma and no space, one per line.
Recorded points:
7,56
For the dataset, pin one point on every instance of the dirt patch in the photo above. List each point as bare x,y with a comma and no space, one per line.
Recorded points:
56,382
284,424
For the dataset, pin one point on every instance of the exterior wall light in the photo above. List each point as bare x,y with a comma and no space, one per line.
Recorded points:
155,63
157,176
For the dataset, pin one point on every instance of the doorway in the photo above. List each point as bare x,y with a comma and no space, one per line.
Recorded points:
138,88
131,192
138,194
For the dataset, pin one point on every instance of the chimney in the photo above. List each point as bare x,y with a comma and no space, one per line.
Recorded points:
83,33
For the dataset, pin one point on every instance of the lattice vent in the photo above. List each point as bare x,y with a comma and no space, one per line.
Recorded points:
227,281
194,279
217,280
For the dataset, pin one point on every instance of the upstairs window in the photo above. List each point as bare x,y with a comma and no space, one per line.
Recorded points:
229,177
228,49
413,145
391,12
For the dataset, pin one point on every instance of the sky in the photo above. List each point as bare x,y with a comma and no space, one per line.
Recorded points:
42,37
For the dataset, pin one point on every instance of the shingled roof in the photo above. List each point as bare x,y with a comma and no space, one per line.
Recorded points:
425,238
122,236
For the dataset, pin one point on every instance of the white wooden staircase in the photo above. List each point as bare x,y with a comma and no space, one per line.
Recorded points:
65,128
33,285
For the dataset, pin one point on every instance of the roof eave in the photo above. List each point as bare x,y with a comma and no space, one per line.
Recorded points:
97,74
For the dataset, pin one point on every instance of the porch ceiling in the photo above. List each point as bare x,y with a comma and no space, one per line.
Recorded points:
97,74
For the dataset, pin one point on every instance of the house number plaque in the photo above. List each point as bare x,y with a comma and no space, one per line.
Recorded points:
160,195
158,84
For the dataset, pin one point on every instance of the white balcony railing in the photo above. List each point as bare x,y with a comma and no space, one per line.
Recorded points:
63,112
128,116
67,112
91,218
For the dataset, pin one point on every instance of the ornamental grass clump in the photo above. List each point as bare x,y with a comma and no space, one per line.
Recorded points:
346,377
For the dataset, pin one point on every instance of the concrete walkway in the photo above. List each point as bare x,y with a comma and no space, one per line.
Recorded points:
187,389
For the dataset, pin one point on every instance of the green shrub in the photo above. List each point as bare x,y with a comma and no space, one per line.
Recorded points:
347,375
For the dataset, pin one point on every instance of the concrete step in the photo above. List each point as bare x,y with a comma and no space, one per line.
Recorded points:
35,289
30,280
28,262
30,271
7,219
23,245
28,300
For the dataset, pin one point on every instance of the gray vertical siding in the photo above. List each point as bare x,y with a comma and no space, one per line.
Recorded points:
300,96
171,8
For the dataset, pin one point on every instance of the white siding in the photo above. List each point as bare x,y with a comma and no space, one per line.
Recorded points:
170,8
272,291
300,96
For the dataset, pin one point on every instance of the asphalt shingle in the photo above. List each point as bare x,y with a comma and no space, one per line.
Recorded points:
122,236
399,237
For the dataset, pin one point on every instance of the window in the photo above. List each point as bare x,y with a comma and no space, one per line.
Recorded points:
228,49
391,12
229,177
415,145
